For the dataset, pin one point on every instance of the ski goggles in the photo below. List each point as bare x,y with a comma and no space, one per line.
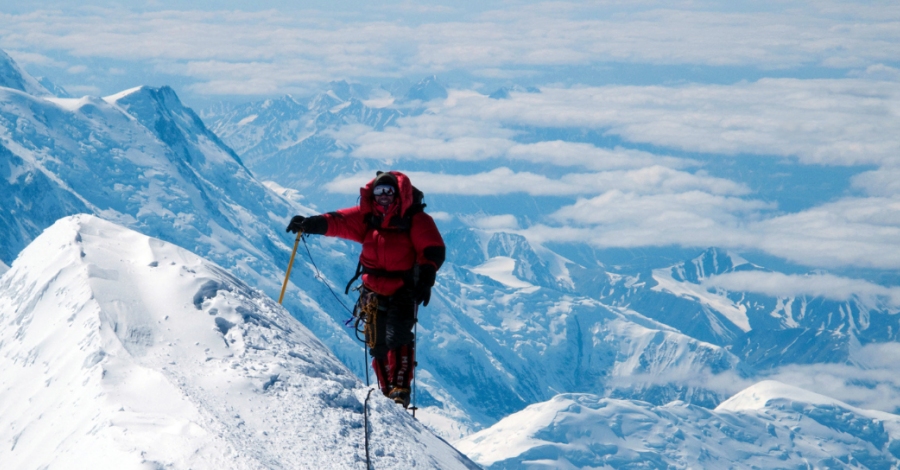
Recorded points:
383,190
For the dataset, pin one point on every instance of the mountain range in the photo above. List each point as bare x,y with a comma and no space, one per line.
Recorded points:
512,325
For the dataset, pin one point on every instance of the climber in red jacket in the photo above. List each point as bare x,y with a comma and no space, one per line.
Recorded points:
401,253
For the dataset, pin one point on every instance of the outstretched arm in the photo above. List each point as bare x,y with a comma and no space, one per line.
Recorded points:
346,223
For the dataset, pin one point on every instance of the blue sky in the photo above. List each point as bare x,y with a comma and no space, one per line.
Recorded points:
755,126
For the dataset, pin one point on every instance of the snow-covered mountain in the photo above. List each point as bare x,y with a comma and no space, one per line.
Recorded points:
143,160
12,76
504,320
290,138
764,331
527,323
768,425
511,323
123,351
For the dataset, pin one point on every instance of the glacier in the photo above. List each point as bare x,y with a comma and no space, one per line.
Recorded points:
123,351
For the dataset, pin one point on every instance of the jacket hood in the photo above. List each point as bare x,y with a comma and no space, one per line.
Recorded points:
405,194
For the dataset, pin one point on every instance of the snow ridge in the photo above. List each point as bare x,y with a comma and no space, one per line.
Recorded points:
123,351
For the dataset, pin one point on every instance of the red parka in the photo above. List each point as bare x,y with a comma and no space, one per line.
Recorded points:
390,242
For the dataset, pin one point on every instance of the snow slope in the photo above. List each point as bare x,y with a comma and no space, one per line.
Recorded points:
122,351
788,428
12,76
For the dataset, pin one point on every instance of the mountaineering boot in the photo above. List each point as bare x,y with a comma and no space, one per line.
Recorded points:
400,396
401,362
381,371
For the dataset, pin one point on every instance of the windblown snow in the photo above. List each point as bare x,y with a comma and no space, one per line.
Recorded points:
122,351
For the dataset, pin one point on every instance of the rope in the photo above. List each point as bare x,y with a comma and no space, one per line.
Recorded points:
322,279
366,363
373,299
366,423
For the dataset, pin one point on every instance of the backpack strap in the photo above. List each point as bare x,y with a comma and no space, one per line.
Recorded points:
359,272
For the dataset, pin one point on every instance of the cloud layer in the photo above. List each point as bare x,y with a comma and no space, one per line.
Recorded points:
502,180
263,52
649,187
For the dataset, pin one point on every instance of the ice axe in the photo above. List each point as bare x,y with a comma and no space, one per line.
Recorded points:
290,265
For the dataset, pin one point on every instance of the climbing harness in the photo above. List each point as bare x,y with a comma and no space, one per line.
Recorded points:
365,313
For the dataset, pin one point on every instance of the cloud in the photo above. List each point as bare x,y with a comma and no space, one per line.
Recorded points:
627,219
493,222
879,72
826,286
454,131
76,90
859,232
32,58
441,216
563,153
867,387
881,182
871,381
502,180
504,40
832,122
836,122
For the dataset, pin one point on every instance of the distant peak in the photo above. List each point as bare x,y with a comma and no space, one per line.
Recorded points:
502,93
760,394
713,261
54,89
116,97
12,76
427,89
146,100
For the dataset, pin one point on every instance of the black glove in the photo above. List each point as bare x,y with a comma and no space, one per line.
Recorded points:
315,225
427,274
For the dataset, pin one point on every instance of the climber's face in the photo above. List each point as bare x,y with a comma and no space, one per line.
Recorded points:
384,195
